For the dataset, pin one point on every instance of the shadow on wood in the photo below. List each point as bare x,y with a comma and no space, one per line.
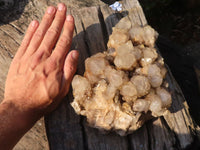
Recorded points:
11,10
109,2
181,62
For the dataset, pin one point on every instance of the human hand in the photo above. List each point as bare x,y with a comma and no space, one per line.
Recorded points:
39,77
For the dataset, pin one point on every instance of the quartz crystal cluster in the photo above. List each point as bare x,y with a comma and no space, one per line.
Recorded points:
123,86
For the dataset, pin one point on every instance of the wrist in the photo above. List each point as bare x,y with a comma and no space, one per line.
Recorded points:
14,123
23,116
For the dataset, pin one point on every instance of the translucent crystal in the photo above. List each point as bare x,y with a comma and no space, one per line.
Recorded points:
123,87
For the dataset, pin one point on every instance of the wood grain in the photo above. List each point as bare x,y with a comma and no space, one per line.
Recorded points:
65,129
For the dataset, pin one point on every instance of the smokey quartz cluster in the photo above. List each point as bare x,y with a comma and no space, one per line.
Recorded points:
123,86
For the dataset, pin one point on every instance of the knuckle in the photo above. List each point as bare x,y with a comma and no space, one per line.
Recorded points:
46,16
36,59
53,63
64,41
24,43
53,32
44,47
39,33
46,54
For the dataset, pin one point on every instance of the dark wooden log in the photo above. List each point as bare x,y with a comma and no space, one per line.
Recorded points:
172,131
65,129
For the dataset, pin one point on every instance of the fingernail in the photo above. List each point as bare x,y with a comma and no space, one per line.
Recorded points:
69,18
34,23
61,7
75,55
50,10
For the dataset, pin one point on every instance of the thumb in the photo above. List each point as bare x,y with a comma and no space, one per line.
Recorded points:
70,67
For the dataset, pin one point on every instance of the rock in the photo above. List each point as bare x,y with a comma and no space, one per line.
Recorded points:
117,91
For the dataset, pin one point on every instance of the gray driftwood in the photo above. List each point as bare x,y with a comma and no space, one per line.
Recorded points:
65,129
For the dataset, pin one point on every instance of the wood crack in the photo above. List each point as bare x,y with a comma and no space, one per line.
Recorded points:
142,24
18,30
9,36
84,135
148,138
177,142
8,52
130,146
103,26
75,30
17,27
85,39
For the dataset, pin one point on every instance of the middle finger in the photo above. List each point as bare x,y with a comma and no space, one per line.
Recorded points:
53,32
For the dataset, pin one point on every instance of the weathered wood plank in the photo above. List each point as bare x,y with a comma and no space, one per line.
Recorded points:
8,42
79,43
64,132
5,60
136,14
96,140
139,139
160,136
179,119
88,40
110,18
93,29
65,129
135,139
